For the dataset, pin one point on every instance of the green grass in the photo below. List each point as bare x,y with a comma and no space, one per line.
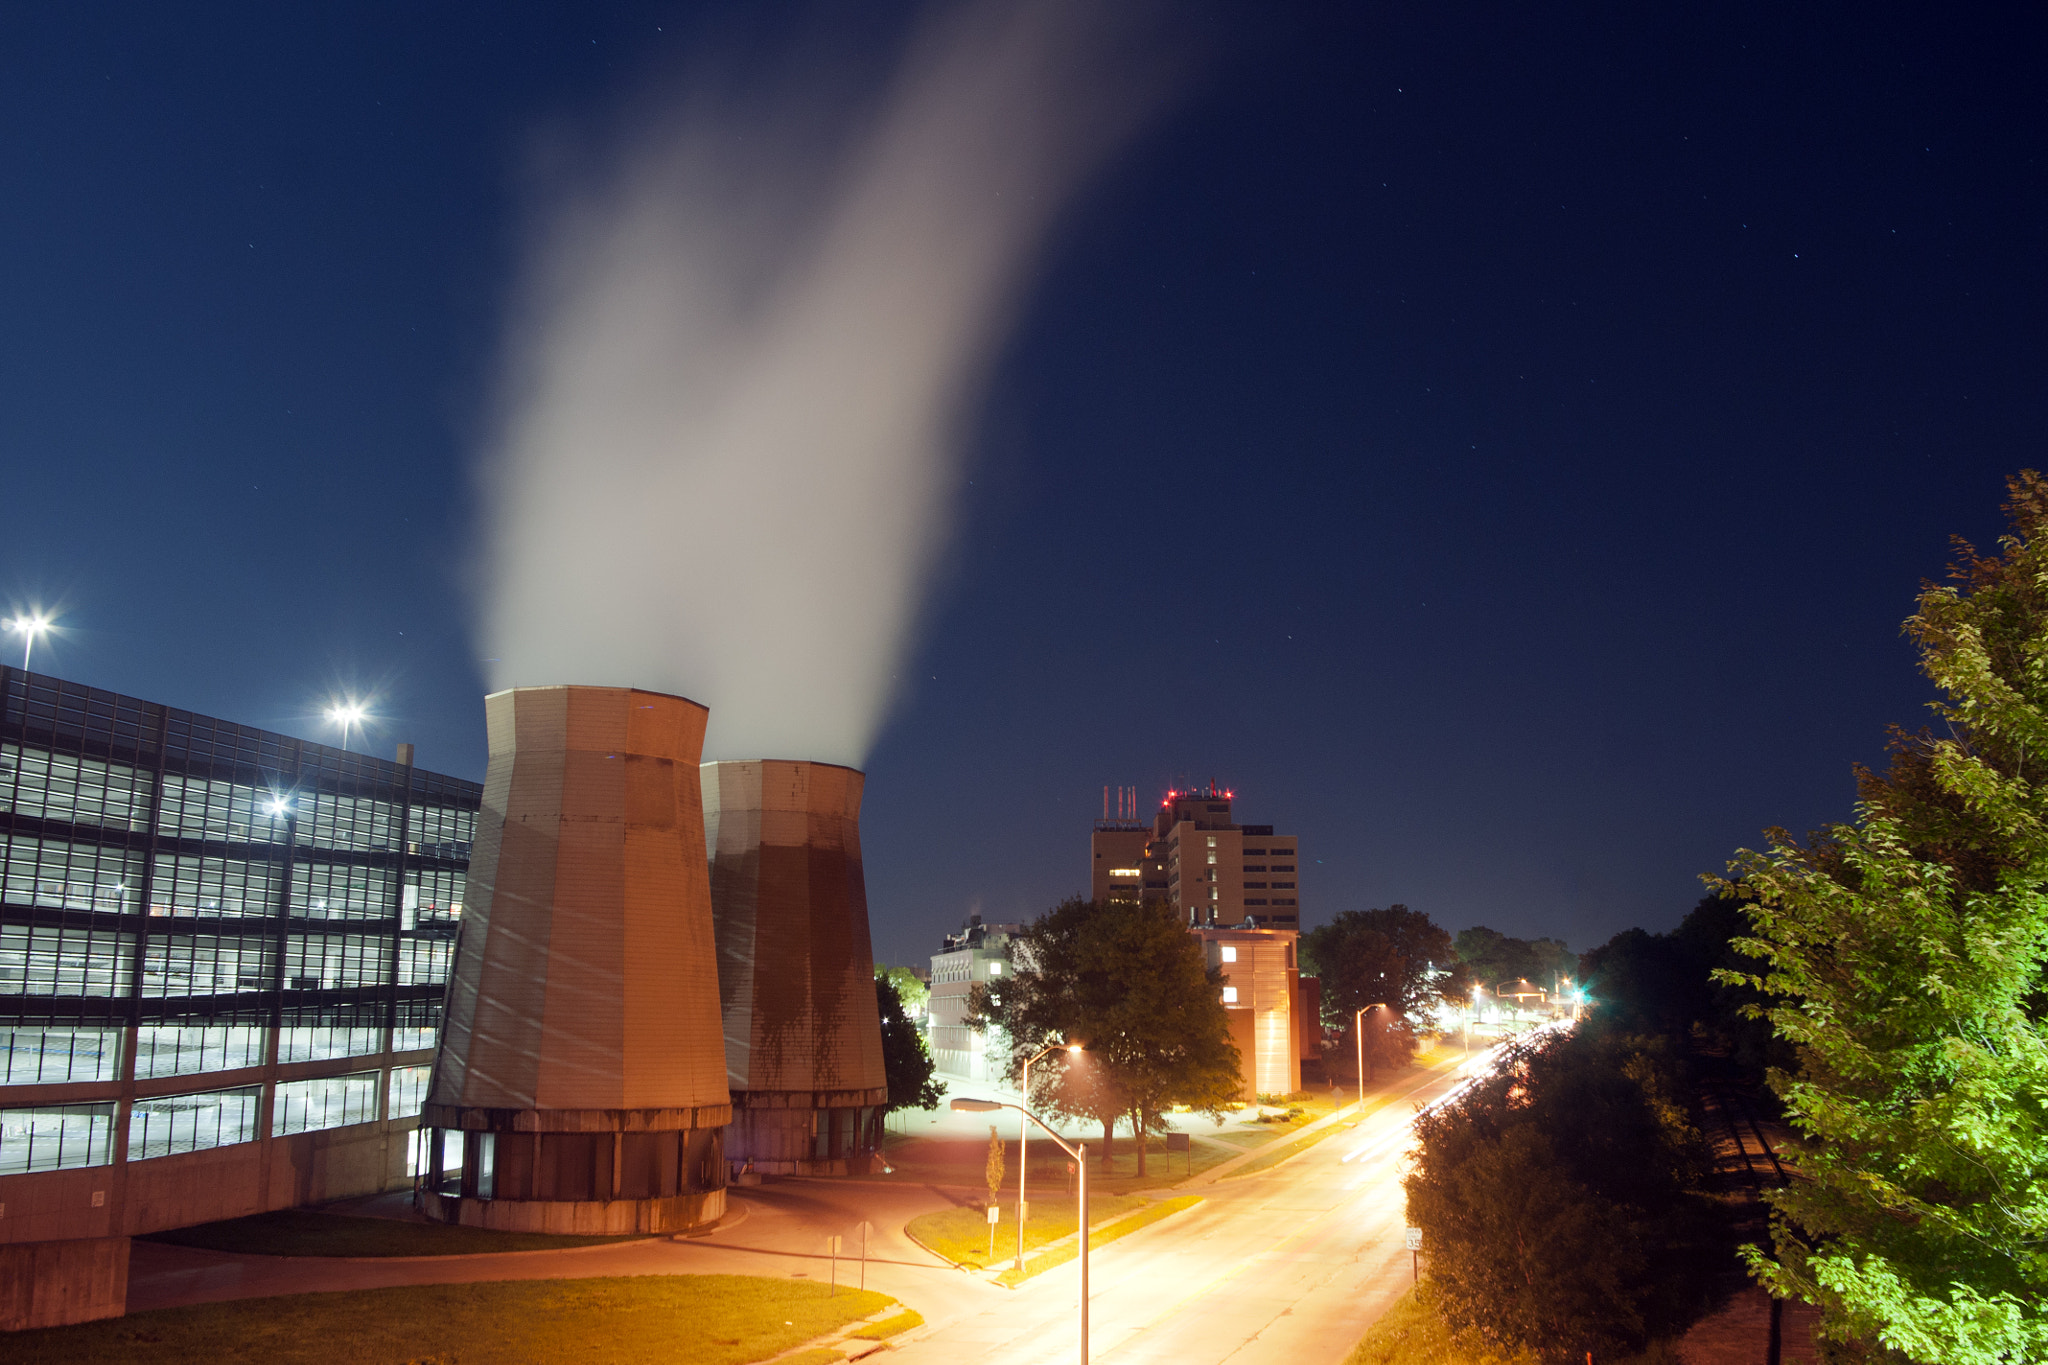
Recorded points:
705,1319
891,1326
960,1161
1122,1227
308,1232
961,1234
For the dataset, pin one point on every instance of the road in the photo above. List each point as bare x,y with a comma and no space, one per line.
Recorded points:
1285,1267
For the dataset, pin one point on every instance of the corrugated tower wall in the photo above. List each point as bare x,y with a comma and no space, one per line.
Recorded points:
795,962
586,974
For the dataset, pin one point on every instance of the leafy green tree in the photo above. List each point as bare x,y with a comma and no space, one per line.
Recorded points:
1492,957
911,989
1395,957
1905,964
1128,983
1560,1199
906,1061
992,1169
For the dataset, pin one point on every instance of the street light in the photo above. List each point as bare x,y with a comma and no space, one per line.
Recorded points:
1080,1155
346,714
1358,1028
1023,1161
28,627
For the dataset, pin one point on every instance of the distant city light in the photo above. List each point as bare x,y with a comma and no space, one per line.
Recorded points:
28,627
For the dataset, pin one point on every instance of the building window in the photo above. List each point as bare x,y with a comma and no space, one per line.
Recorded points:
170,1125
408,1090
1283,886
182,1049
995,969
1229,953
341,891
1278,901
1230,995
1212,841
39,1055
206,964
315,962
77,791
324,1102
1255,886
45,961
56,1137
212,887
65,876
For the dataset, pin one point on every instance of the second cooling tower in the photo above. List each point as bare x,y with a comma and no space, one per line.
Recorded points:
803,1038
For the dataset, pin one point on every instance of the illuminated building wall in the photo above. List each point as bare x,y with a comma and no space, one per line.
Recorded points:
803,1037
581,1076
1260,996
977,953
222,958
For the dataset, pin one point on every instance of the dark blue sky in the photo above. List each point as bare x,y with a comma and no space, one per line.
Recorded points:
1500,444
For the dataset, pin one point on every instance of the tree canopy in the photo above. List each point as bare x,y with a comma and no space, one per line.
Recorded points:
1492,957
906,1061
1128,983
1905,960
1396,957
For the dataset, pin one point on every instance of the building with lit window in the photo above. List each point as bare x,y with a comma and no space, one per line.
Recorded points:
223,954
1262,998
979,953
1196,858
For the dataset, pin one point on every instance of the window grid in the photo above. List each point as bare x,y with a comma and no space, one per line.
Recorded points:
83,791
206,964
56,1137
189,885
66,876
341,891
188,1049
408,1091
325,962
171,1125
33,1054
39,960
324,1102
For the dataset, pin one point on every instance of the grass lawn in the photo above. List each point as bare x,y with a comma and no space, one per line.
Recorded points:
704,1319
961,1234
959,1161
1122,1227
309,1232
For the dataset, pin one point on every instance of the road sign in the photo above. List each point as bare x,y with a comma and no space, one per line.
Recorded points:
1413,1237
995,1213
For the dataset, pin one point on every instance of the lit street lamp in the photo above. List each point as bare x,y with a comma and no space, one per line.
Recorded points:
346,714
1358,1028
1080,1155
28,627
1023,1162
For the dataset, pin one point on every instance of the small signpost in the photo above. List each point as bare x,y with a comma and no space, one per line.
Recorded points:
1413,1238
832,1250
864,1229
1181,1142
995,1213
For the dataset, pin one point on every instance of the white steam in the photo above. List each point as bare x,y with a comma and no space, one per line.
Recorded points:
743,364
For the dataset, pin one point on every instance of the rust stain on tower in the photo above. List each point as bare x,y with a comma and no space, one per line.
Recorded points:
803,1039
580,1084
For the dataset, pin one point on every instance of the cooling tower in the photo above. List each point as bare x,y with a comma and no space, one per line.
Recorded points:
803,1039
582,1066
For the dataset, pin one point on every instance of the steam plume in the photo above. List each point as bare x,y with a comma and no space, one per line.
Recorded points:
742,362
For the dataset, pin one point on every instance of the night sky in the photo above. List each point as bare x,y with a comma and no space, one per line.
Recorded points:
1500,443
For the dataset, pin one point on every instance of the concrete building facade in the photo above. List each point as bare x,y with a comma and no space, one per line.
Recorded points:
223,953
1262,997
1195,856
581,1073
803,1035
976,955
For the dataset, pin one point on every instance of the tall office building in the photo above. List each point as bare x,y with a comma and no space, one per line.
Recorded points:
1195,857
976,955
223,953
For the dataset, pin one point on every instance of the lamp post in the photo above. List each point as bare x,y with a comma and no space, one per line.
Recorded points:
1358,1028
1080,1155
28,627
1024,1133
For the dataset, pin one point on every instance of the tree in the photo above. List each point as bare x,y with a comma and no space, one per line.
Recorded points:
1395,957
1560,1199
1128,983
1905,965
911,989
1493,957
906,1061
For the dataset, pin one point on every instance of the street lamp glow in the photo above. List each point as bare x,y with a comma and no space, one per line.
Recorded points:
28,627
346,714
